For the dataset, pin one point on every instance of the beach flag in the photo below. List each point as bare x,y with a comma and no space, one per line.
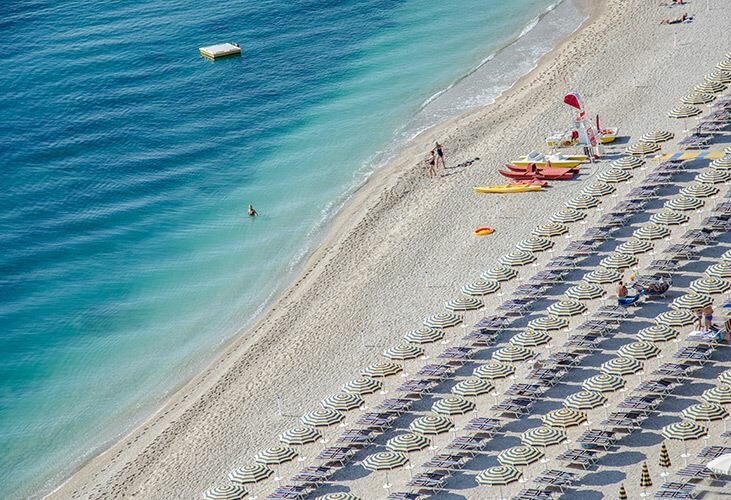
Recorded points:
622,492
664,457
645,480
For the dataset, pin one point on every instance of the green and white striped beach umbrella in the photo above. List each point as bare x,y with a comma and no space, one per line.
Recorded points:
481,287
710,285
566,308
692,301
550,230
543,437
710,87
443,320
563,418
677,318
363,386
622,366
720,395
322,418
530,338
684,431
651,232
462,304
535,244
424,335
602,276
407,443
519,455
548,323
583,202
598,189
725,377
639,350
723,163
713,176
403,352
250,474
705,412
493,370
585,291
669,218
276,455
512,354
342,401
384,460
338,496
453,405
726,256
225,493
431,425
614,175
628,163
724,65
698,190
584,400
719,76
684,111
566,215
517,258
684,203
697,98
499,475
472,387
619,261
500,273
635,247
642,148
300,436
603,382
657,136
380,370
657,333
721,270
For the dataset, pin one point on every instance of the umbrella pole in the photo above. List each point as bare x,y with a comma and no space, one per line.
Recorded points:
685,452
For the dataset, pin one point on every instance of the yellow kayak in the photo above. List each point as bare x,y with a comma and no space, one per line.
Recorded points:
507,188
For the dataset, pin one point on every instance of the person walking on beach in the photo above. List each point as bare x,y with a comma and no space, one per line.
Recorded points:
440,155
251,211
431,163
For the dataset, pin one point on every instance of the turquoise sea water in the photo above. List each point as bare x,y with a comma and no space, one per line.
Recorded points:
128,162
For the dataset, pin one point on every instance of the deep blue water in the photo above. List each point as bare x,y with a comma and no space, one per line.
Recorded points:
127,164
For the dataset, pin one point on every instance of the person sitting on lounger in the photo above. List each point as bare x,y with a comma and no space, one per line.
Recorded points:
621,290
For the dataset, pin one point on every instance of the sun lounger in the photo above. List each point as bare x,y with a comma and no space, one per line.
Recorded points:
699,237
583,343
719,115
483,426
578,457
514,406
658,179
527,390
546,376
396,406
675,490
446,462
629,207
659,386
710,127
684,251
695,472
314,475
666,265
598,326
549,276
614,220
597,438
563,359
556,479
356,437
468,445
515,307
533,494
694,354
416,388
479,338
624,421
376,420
495,322
612,311
597,233
643,192
644,404
694,142
338,455
628,301
562,263
290,492
435,371
431,481
457,356
711,338
711,452
404,495
673,370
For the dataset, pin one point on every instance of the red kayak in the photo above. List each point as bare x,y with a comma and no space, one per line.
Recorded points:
549,170
550,176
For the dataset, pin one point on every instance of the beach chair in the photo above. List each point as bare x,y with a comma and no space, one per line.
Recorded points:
699,237
563,359
674,489
711,338
599,234
597,326
527,390
680,251
396,406
581,248
356,438
406,495
695,472
468,445
675,371
561,263
694,354
337,455
629,300
429,482
612,311
656,386
483,426
436,371
614,220
314,475
556,479
583,343
546,376
495,322
665,265
708,453
629,206
658,179
416,388
447,462
515,307
644,404
597,438
550,276
290,492
533,494
480,338
624,421
376,420
514,406
578,457
457,356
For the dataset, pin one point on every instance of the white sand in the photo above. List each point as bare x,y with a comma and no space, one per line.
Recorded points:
400,250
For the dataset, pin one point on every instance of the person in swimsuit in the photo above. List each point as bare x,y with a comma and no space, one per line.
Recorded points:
707,314
251,211
431,162
621,290
440,154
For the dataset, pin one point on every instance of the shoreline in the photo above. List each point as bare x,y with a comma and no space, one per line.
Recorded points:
379,194
352,208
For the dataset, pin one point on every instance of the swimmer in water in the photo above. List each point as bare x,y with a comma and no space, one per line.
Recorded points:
251,211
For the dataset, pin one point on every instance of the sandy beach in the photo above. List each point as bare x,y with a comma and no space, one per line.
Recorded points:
402,247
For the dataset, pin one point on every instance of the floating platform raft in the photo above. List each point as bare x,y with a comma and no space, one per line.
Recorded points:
221,50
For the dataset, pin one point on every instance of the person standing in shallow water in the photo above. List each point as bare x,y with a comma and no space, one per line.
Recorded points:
251,211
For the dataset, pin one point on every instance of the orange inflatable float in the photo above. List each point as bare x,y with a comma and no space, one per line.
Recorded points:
482,231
